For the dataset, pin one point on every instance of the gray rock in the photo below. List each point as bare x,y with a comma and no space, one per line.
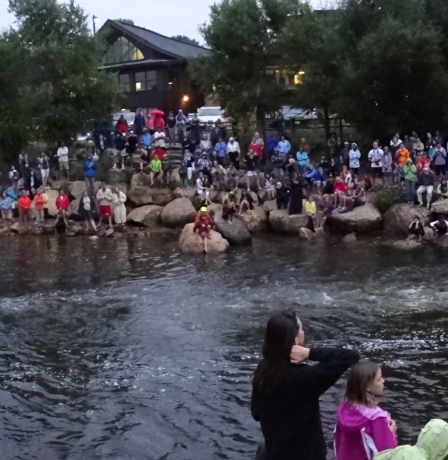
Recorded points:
398,218
282,222
236,233
147,216
407,245
178,213
256,220
440,206
140,195
350,238
362,219
192,243
270,206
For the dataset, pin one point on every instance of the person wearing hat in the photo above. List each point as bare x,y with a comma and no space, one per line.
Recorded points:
410,179
202,226
282,196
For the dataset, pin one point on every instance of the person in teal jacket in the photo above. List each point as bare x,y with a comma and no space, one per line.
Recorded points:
432,444
303,159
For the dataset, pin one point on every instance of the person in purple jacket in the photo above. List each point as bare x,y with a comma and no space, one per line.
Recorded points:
363,429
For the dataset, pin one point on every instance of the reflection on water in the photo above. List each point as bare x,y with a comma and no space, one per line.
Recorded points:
127,350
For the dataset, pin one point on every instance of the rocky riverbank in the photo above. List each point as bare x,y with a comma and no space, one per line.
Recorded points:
170,210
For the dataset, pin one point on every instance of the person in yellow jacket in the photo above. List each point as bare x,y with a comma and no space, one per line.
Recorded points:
45,197
432,444
311,211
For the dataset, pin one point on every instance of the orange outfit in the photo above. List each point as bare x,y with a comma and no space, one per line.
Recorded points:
402,156
39,202
24,203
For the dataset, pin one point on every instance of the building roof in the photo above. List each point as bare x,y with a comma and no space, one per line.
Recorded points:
166,45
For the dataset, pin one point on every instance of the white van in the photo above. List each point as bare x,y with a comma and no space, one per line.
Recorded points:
211,114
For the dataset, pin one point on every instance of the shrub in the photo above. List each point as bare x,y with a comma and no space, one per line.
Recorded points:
388,197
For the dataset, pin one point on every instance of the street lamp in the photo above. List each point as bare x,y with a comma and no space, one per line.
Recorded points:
94,18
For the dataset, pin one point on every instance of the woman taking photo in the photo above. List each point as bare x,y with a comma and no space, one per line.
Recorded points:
363,429
285,391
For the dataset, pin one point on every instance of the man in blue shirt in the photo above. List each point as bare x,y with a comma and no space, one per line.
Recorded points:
283,147
221,151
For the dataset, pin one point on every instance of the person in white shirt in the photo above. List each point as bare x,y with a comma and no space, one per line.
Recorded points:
234,152
119,199
200,185
440,226
376,161
62,155
159,138
354,155
104,198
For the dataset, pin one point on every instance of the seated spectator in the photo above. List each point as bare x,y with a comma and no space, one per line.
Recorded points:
317,178
246,202
440,226
158,153
442,189
155,169
340,190
202,226
311,212
219,175
205,166
356,198
327,212
200,186
416,229
229,207
62,204
426,181
146,139
167,169
328,188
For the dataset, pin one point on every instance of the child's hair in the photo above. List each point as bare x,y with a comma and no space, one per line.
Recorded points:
361,376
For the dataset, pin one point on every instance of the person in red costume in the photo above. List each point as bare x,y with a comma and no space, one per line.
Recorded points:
122,125
62,204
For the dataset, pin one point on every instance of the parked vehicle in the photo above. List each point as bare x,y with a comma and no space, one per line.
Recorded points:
211,114
296,113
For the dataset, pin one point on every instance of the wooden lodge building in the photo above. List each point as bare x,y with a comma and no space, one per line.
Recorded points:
151,69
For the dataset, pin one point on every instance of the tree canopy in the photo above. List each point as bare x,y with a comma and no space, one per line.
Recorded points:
382,65
51,87
185,39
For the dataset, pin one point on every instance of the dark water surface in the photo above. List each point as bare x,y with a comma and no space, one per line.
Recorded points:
127,350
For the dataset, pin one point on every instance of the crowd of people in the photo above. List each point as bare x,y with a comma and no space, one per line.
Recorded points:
285,400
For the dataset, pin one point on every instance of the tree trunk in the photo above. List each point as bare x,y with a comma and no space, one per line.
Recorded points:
261,120
327,123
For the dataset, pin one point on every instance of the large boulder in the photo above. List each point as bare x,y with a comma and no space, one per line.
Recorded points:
256,220
140,195
282,222
362,219
398,218
73,207
178,213
140,179
270,206
119,176
440,207
192,243
236,233
180,192
147,216
78,187
441,241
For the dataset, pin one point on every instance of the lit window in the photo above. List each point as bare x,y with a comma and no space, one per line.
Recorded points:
145,81
298,78
122,51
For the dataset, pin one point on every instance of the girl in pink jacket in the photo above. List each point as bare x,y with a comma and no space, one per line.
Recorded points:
362,428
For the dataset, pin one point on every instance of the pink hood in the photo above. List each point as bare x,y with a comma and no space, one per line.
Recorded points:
355,418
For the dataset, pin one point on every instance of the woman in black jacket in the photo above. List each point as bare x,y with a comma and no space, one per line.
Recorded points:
285,394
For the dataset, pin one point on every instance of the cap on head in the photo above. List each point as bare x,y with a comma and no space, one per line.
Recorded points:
203,210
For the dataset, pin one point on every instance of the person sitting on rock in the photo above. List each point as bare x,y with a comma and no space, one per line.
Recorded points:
167,169
426,181
158,153
246,202
442,189
219,175
340,190
416,229
357,197
62,204
311,212
232,178
440,226
205,167
282,196
202,226
146,139
229,207
104,198
328,209
200,187
155,169
118,201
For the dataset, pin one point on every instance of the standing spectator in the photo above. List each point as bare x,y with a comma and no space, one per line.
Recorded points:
159,122
120,145
62,155
156,168
139,125
23,160
332,144
121,125
150,124
39,202
417,147
89,167
189,163
344,157
146,139
440,160
44,166
376,161
395,144
421,161
283,147
303,159
428,142
205,145
119,199
438,138
159,138
46,198
171,124
24,206
410,179
306,146
426,181
282,196
387,167
14,177
311,212
200,186
272,144
167,169
62,204
131,147
251,170
221,151
296,202
257,146
85,210
354,156
181,122
234,152
6,207
104,198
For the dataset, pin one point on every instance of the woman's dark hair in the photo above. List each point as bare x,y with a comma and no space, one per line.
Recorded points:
281,331
361,376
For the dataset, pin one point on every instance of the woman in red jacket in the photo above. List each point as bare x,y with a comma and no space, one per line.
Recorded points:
62,204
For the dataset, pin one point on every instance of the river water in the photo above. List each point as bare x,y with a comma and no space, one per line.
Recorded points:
124,349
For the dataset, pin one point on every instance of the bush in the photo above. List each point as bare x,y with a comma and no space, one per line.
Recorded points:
388,197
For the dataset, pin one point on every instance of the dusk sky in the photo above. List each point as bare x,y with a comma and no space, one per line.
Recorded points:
168,17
